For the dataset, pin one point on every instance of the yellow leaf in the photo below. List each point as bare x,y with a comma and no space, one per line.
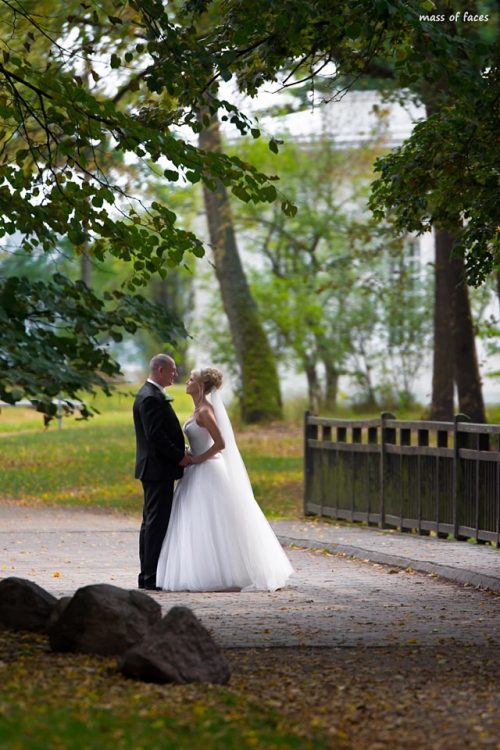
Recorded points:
57,575
342,734
412,640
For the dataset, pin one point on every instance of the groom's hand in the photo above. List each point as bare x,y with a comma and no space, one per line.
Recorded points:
188,459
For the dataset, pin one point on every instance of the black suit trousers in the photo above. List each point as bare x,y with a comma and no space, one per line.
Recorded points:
155,517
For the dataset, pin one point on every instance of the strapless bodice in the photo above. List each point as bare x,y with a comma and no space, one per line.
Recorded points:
199,437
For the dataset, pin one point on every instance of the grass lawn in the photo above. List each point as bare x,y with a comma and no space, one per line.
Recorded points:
54,701
92,463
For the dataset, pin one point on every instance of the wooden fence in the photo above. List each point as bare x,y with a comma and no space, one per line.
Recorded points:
428,476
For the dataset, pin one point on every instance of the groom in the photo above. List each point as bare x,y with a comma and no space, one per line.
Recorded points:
160,460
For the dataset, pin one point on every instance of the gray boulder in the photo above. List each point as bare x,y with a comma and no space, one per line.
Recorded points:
24,605
103,619
61,605
178,649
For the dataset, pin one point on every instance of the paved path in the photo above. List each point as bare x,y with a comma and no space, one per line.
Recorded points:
475,564
334,601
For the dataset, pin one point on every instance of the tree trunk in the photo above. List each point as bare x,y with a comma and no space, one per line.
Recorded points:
331,385
442,366
312,386
455,354
467,377
86,267
260,398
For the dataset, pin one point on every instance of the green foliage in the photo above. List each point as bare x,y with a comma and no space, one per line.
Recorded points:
86,89
445,176
73,110
332,286
484,303
55,335
262,41
174,293
60,131
61,122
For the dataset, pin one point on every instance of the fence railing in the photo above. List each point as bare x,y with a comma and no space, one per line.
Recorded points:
428,476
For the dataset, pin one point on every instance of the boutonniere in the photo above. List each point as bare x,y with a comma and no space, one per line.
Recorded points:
167,397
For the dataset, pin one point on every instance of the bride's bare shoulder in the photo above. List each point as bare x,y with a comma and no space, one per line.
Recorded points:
205,414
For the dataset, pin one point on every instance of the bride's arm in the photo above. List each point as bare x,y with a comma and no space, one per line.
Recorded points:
206,419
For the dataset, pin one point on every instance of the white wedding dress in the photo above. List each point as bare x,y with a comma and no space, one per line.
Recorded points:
218,538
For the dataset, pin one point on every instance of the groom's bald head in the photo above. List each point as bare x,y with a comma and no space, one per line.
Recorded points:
160,360
162,370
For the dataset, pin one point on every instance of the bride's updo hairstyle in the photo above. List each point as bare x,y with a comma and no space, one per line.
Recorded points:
209,377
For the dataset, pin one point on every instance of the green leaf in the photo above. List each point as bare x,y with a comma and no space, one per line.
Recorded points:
171,174
241,193
273,145
353,31
76,237
482,48
288,208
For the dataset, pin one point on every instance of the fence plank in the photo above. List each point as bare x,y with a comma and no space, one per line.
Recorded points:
478,455
368,470
314,420
418,450
486,429
459,441
419,424
344,447
388,435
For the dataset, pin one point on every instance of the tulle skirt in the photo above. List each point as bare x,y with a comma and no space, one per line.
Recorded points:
214,543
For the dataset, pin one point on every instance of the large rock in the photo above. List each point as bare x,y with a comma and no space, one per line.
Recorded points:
178,649
24,605
103,619
56,613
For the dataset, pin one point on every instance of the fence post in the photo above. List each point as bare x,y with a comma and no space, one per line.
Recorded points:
497,494
386,436
310,431
459,440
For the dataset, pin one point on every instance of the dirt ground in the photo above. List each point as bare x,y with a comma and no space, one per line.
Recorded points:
397,698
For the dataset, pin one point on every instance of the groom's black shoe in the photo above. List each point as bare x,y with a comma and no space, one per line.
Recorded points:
153,588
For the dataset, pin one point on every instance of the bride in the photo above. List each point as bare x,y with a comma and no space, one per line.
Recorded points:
218,538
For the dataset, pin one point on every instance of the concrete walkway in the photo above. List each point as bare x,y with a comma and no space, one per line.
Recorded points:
463,562
401,588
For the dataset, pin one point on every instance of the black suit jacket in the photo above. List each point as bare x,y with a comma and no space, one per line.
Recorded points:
159,437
